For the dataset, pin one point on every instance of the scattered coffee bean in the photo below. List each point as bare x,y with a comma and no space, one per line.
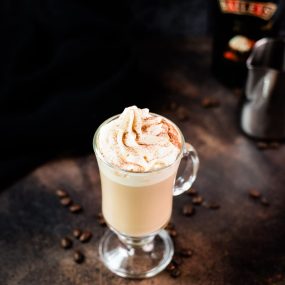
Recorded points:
211,205
197,200
102,222
175,273
173,106
75,208
274,145
78,256
170,267
173,233
188,210
182,113
276,278
264,202
85,236
254,193
61,193
206,204
262,145
66,243
192,192
237,92
176,260
186,252
214,206
226,253
66,201
267,145
208,102
77,233
170,226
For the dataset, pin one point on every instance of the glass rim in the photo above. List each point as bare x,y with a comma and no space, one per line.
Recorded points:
100,156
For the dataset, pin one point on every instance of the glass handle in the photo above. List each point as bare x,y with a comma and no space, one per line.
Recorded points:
188,176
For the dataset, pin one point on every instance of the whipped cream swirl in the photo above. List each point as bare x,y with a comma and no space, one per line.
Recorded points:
138,141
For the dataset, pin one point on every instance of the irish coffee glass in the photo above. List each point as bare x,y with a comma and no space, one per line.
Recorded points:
137,207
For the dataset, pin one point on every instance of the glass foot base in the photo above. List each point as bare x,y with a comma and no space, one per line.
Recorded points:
136,257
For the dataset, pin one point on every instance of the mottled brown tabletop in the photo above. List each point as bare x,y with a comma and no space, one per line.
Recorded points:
241,242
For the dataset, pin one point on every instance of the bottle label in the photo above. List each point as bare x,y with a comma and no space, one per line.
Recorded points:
263,10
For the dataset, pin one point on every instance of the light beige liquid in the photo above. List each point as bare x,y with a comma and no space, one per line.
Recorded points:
137,211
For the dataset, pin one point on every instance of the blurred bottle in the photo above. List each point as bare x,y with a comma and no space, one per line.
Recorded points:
237,25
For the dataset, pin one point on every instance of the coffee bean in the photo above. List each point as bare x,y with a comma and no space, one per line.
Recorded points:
274,145
188,210
237,92
66,243
170,226
264,202
262,145
78,256
276,278
197,200
182,113
173,233
211,205
75,208
66,201
186,252
206,204
170,267
175,273
214,206
208,102
176,260
192,192
77,233
267,145
61,193
254,193
102,222
85,236
173,106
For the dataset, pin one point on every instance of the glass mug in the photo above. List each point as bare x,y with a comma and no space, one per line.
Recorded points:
137,206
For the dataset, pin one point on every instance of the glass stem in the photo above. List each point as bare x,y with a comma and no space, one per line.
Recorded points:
134,243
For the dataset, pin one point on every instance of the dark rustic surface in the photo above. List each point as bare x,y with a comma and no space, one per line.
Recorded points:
242,242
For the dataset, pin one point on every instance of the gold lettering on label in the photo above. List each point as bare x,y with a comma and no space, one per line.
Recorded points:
243,7
263,10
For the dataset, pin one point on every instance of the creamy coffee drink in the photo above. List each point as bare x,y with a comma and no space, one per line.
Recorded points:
138,155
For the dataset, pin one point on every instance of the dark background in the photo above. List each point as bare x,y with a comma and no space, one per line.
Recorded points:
67,65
